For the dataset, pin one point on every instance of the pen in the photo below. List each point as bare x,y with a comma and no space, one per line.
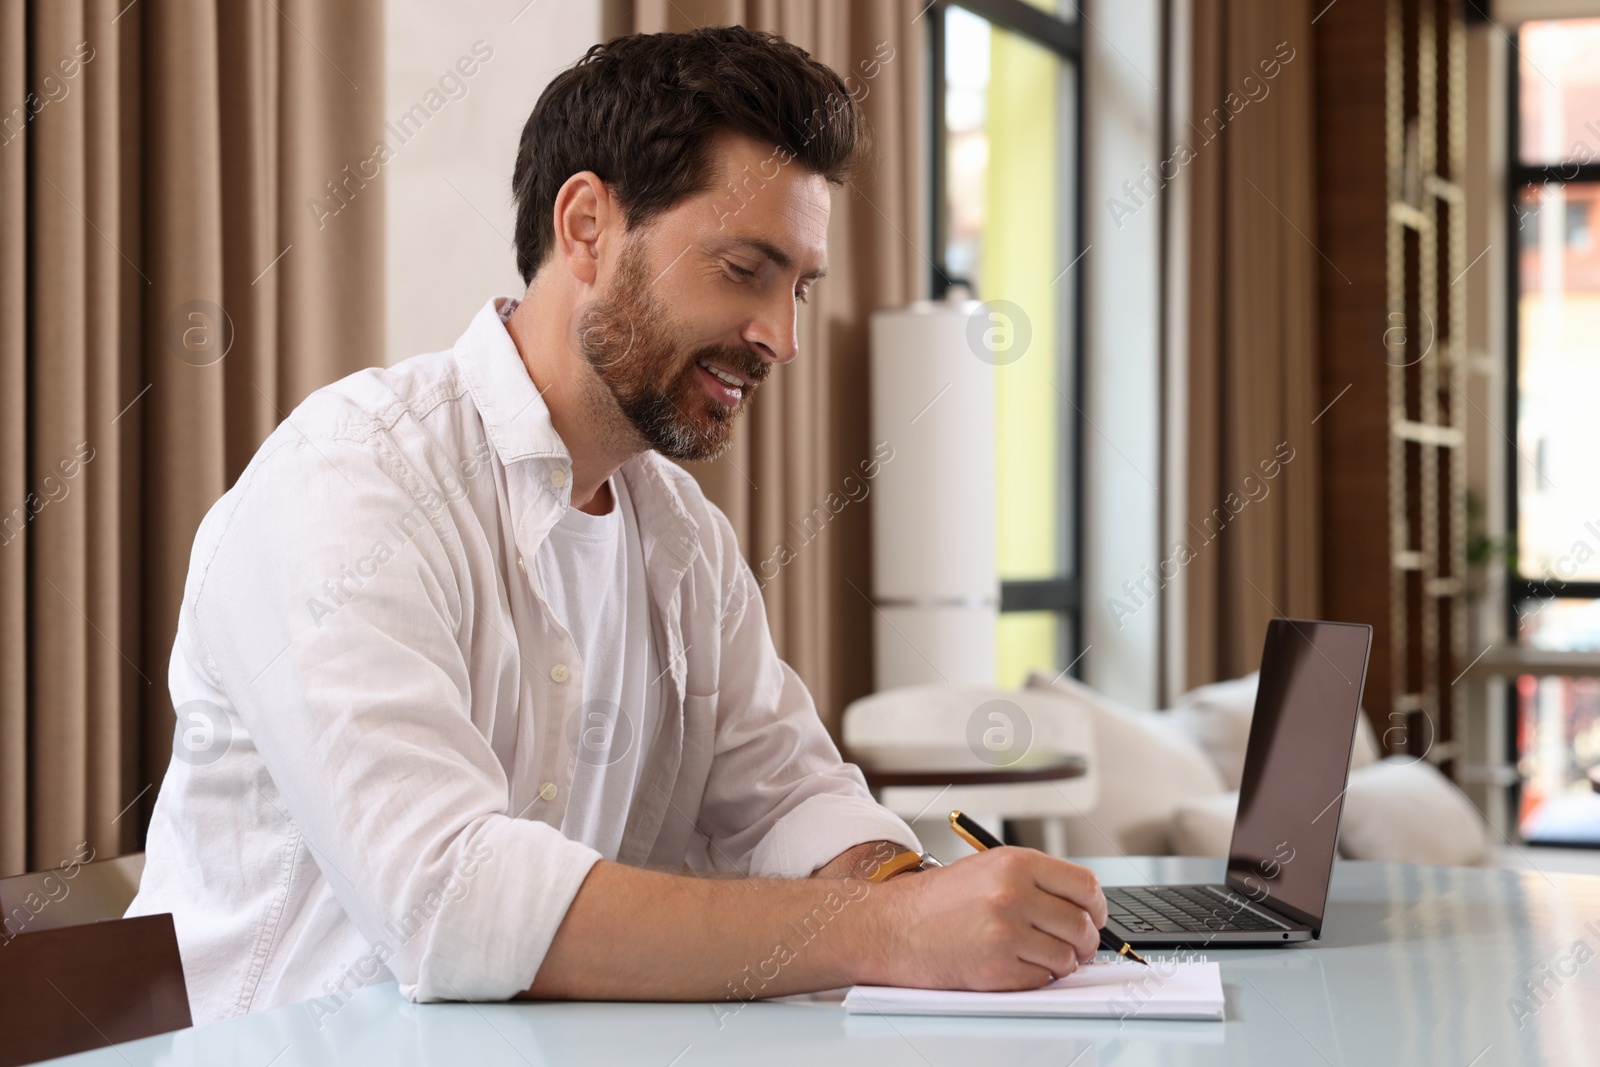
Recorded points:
969,831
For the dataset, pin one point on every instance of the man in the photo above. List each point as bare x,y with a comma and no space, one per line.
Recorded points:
474,687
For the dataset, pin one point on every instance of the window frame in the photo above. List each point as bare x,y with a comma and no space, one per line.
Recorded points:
1062,595
1520,176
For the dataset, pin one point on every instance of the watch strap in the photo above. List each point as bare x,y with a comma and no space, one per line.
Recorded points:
902,861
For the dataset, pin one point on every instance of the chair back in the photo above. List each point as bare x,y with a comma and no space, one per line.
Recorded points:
974,728
962,716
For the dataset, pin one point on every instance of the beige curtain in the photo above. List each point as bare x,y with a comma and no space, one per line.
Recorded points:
166,296
1253,276
808,427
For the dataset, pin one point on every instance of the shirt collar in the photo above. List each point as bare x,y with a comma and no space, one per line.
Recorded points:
518,425
514,414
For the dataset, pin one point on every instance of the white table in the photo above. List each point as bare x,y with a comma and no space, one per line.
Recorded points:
1417,966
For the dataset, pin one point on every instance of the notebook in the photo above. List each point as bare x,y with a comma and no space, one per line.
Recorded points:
1164,990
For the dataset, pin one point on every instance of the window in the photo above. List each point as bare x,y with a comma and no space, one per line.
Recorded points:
1554,380
1007,223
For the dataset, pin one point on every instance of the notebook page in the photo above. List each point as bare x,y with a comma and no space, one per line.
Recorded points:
1164,990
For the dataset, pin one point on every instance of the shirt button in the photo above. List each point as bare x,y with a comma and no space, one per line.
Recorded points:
548,791
559,673
520,567
558,477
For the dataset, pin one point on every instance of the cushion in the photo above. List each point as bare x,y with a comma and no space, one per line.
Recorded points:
1148,766
1404,810
1218,717
1203,826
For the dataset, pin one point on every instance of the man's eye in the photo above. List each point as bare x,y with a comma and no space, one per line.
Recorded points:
742,272
803,295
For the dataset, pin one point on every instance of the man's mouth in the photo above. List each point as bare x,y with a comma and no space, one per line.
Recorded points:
724,386
727,376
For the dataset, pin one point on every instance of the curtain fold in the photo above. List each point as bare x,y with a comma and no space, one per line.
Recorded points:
13,447
166,297
1252,271
808,427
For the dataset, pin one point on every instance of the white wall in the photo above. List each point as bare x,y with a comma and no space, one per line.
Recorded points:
1123,306
448,186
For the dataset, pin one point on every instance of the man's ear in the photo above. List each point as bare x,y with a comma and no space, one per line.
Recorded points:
587,220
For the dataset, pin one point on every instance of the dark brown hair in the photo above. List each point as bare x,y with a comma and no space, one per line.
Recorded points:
641,112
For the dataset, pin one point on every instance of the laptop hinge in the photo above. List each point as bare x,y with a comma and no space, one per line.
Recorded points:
1261,910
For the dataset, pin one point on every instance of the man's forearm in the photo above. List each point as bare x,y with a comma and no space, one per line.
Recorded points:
1008,918
859,861
634,934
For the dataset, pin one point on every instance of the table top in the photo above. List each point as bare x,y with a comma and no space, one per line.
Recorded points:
1456,967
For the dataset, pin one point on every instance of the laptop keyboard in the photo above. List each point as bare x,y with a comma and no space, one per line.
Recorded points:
1174,909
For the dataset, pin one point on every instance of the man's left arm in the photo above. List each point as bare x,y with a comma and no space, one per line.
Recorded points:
779,799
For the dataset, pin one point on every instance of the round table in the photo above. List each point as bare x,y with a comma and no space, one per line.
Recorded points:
935,765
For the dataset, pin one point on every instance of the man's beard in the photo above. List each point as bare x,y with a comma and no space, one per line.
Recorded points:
625,337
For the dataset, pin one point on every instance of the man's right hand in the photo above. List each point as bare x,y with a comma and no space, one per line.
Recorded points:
1009,918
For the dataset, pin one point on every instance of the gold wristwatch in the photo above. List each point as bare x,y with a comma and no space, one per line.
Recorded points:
901,862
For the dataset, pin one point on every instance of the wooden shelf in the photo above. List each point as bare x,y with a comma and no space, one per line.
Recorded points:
1514,660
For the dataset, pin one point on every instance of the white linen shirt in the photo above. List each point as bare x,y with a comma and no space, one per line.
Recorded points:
373,751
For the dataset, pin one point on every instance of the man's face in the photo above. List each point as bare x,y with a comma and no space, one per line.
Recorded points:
709,290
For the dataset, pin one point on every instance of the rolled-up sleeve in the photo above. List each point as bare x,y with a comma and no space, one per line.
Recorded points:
332,615
779,801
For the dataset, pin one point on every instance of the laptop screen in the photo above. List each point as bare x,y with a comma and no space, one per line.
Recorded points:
1297,764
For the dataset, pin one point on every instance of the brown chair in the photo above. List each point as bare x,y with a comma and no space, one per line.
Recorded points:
74,974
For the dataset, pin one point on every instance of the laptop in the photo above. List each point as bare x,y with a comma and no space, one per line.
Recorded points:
1296,768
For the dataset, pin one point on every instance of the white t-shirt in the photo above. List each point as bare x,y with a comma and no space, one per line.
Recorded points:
591,568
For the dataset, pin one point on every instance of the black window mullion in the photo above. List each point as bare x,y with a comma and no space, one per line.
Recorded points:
1040,594
1523,588
1566,173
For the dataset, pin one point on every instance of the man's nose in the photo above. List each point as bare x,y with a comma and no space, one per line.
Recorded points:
775,330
